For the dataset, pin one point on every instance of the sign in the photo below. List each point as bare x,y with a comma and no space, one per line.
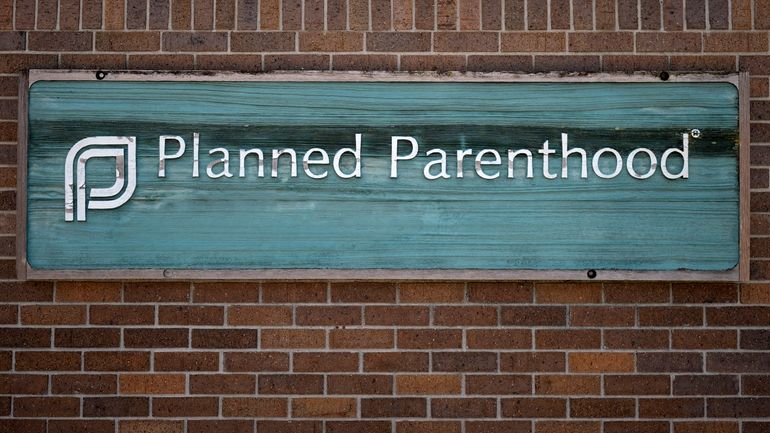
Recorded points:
348,176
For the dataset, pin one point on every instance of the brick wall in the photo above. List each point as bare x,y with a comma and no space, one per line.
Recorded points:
447,357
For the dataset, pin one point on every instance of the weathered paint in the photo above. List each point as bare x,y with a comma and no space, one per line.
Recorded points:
377,222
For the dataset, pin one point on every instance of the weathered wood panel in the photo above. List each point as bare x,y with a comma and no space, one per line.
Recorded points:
377,222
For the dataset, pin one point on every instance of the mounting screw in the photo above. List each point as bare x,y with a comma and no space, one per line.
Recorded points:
100,75
664,76
166,273
695,133
591,273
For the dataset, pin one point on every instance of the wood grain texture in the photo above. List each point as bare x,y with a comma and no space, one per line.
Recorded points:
376,222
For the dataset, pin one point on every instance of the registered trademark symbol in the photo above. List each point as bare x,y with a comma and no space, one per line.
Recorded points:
695,133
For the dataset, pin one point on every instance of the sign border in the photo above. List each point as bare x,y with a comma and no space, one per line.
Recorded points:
24,271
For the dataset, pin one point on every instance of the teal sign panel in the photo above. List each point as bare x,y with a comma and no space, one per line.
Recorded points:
426,175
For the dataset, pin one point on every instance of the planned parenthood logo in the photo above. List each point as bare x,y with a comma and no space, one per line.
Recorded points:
123,149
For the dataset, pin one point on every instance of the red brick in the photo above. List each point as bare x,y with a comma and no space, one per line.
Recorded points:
223,384
568,427
293,293
636,385
87,291
704,340
671,408
636,339
114,15
755,339
361,338
465,41
396,315
589,362
497,63
532,361
431,427
463,408
184,406
364,62
568,339
256,361
258,315
359,384
426,384
602,407
363,292
220,426
359,14
738,316
325,361
497,384
314,15
159,14
145,338
224,338
601,42
534,316
670,316
23,384
429,338
705,385
398,41
431,292
87,337
15,63
291,384
323,407
469,15
270,15
228,62
669,362
358,427
60,41
46,407
116,361
134,41
13,41
706,427
636,426
157,291
752,407
438,63
93,61
602,316
636,292
735,42
402,14
225,292
533,407
328,316
499,338
160,61
262,42
704,293
500,292
122,315
203,14
568,293
23,425
395,362
739,362
755,385
673,15
381,16
116,406
84,384
605,15
194,42
53,314
465,316
152,384
464,361
424,12
293,338
25,337
668,42
567,384
78,426
289,426
331,41
393,407
254,407
186,315
47,361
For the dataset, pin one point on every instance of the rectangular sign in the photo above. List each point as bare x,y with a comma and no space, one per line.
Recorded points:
350,176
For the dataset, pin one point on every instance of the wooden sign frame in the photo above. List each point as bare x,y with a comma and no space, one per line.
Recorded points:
24,271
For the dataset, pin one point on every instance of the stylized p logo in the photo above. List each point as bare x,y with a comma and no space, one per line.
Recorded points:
118,193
